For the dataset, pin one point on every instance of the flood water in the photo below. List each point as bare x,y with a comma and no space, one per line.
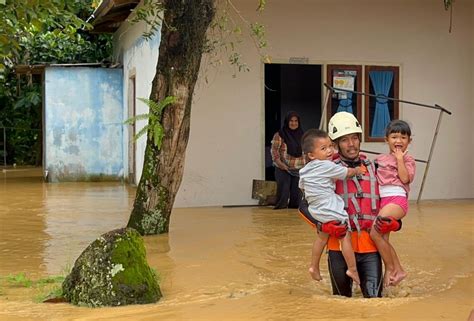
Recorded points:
227,263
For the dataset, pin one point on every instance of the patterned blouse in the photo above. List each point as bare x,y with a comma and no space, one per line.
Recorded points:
278,151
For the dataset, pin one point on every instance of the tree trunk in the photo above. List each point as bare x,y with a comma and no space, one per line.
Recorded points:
183,36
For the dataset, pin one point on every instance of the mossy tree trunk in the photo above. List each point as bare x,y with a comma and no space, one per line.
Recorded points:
183,36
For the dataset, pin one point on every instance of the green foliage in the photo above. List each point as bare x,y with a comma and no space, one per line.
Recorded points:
156,275
32,32
20,114
51,279
54,293
49,287
261,5
235,59
225,32
258,30
52,285
31,16
50,31
149,12
20,279
153,128
66,46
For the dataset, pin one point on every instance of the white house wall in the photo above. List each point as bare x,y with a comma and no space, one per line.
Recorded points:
226,145
472,91
225,150
139,58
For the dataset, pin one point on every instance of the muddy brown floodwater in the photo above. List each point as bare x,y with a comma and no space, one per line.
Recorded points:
227,263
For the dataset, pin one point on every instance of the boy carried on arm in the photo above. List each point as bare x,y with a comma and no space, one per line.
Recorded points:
317,180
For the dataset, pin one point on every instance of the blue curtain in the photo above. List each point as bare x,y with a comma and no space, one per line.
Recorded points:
381,81
345,104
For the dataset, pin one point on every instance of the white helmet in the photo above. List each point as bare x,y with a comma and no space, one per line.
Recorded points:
343,123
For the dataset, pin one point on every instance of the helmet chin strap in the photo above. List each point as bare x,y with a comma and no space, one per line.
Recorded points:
352,162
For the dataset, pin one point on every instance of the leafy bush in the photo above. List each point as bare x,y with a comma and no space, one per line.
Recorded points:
48,31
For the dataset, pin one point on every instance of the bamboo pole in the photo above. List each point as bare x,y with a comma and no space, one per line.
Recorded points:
429,157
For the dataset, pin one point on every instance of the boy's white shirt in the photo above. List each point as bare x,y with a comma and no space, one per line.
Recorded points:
317,179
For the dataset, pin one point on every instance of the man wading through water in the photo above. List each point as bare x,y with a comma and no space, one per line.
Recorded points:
361,201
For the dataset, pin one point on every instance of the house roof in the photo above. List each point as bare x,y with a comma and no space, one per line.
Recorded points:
110,14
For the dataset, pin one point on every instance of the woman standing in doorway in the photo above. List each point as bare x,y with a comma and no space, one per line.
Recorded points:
288,158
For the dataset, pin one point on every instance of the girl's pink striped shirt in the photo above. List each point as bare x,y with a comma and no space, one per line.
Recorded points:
387,170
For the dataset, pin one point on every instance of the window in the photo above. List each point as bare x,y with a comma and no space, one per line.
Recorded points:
347,77
380,80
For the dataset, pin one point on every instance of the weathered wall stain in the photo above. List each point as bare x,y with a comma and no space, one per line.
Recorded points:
83,124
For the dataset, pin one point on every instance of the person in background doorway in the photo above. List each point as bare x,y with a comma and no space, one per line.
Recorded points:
287,158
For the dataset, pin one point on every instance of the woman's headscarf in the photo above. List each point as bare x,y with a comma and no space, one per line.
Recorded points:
292,138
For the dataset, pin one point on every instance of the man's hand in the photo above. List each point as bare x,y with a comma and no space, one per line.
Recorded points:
361,170
384,225
334,228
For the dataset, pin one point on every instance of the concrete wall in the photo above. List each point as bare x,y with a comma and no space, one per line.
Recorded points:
472,89
139,58
226,146
83,123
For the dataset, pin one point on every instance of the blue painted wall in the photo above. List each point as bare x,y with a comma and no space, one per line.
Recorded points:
83,123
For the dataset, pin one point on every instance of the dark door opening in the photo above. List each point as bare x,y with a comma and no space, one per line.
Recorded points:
290,87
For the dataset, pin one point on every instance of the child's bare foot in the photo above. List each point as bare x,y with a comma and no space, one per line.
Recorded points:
387,278
315,273
398,277
353,275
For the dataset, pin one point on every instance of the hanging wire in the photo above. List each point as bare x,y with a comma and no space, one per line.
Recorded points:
268,88
448,5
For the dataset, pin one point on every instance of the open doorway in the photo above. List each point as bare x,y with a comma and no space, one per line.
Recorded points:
290,87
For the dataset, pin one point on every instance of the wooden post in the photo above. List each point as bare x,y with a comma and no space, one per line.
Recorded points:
325,107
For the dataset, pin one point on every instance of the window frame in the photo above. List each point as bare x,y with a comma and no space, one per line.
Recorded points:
329,78
396,94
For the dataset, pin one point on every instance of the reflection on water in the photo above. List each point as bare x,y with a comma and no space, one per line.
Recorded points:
228,263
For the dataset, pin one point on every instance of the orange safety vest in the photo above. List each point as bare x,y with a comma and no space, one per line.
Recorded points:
361,201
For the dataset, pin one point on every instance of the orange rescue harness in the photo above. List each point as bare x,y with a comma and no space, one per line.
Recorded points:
361,196
361,201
